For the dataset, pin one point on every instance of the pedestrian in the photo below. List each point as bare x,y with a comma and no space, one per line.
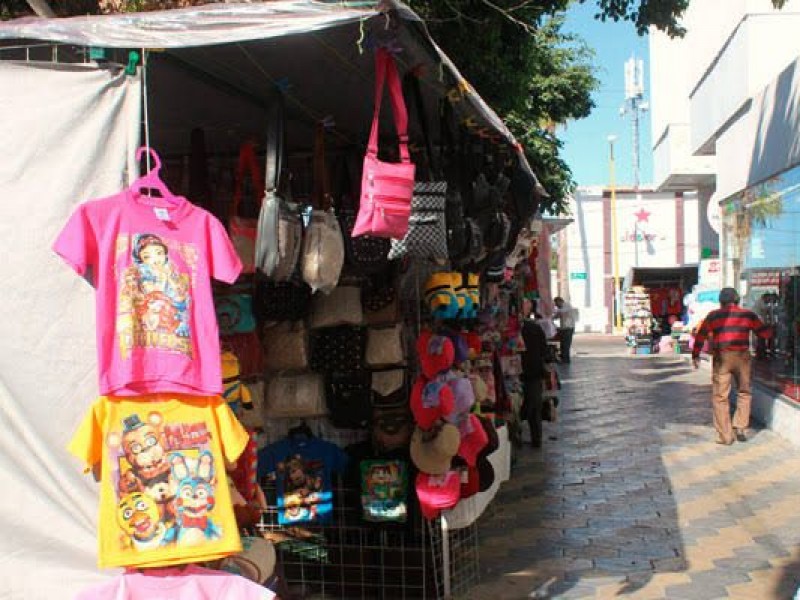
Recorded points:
534,371
566,316
728,329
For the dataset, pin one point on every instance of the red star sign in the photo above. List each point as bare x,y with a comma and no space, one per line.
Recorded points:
642,216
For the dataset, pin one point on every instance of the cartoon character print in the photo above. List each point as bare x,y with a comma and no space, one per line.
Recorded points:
302,487
154,299
195,499
158,479
384,492
138,517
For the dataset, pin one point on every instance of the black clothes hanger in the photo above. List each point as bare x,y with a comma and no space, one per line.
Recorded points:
301,430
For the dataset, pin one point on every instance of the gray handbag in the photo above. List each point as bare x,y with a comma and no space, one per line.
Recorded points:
280,224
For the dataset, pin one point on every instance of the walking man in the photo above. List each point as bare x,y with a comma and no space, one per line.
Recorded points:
729,328
566,326
533,373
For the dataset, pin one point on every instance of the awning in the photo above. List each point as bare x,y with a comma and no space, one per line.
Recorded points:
684,276
205,55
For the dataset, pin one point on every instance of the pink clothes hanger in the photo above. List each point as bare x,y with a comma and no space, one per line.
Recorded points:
151,181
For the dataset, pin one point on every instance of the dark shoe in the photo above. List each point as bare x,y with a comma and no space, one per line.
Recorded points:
741,436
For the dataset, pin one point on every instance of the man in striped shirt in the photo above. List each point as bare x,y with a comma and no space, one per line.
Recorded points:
728,329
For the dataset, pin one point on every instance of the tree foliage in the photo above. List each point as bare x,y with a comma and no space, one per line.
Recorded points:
527,68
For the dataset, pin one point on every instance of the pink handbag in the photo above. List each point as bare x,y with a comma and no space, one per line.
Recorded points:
386,188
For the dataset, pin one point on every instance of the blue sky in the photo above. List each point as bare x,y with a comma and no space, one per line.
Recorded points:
586,141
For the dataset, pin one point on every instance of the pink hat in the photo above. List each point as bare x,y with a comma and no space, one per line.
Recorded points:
473,439
436,353
464,397
438,492
431,401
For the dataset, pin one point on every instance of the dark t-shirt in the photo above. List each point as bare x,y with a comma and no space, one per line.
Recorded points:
533,358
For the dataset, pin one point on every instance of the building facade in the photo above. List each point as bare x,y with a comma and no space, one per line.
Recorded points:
654,229
726,120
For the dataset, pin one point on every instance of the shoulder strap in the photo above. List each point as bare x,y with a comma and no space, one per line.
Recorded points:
275,142
412,84
386,72
321,193
247,163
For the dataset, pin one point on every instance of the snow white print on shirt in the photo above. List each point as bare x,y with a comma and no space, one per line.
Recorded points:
155,293
165,483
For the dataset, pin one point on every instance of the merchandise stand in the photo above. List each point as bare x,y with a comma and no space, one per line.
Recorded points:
434,559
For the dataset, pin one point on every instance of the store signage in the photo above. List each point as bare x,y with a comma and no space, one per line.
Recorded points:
709,273
767,279
577,275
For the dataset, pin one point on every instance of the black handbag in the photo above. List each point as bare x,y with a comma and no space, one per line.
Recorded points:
348,396
364,254
338,349
281,301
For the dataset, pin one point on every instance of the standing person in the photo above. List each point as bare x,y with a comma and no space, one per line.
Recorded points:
533,373
729,328
566,326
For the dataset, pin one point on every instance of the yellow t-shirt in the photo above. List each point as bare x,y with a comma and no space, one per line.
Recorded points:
164,495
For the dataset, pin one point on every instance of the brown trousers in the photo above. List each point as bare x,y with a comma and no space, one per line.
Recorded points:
727,364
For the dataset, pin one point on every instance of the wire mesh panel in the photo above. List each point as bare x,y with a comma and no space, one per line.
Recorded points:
349,559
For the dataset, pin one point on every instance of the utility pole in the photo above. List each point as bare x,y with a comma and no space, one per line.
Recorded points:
612,184
634,105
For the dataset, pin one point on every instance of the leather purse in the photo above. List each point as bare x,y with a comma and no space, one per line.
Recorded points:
285,346
300,395
341,307
385,346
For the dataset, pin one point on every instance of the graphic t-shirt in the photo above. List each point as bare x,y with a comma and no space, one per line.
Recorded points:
191,583
164,496
303,469
156,325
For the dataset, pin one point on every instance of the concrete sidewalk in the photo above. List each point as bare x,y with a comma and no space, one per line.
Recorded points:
635,500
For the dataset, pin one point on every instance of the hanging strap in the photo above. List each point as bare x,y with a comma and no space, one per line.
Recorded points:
321,192
247,163
386,71
412,84
275,144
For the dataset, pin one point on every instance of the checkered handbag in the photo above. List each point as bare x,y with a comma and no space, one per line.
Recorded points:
427,230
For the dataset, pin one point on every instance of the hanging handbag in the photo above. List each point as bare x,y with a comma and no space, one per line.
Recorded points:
389,388
234,309
286,301
242,230
294,396
322,256
380,300
364,254
341,307
427,231
280,226
391,428
349,398
247,348
385,346
285,346
338,349
386,188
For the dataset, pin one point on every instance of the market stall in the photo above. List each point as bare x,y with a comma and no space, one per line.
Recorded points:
220,93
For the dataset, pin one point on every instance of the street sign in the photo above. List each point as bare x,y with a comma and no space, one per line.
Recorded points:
577,275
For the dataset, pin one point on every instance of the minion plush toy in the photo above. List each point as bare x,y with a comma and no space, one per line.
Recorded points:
234,391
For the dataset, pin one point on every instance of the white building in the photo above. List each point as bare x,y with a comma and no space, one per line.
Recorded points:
654,229
725,101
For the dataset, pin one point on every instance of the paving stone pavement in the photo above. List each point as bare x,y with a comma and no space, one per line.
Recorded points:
634,499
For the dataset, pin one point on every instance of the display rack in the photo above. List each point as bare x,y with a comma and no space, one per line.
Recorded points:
351,560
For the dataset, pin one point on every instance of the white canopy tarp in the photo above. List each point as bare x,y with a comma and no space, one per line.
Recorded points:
52,157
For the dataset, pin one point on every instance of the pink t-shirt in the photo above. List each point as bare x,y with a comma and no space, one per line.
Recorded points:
156,325
190,583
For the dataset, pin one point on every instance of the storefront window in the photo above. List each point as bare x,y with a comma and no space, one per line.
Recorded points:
761,235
